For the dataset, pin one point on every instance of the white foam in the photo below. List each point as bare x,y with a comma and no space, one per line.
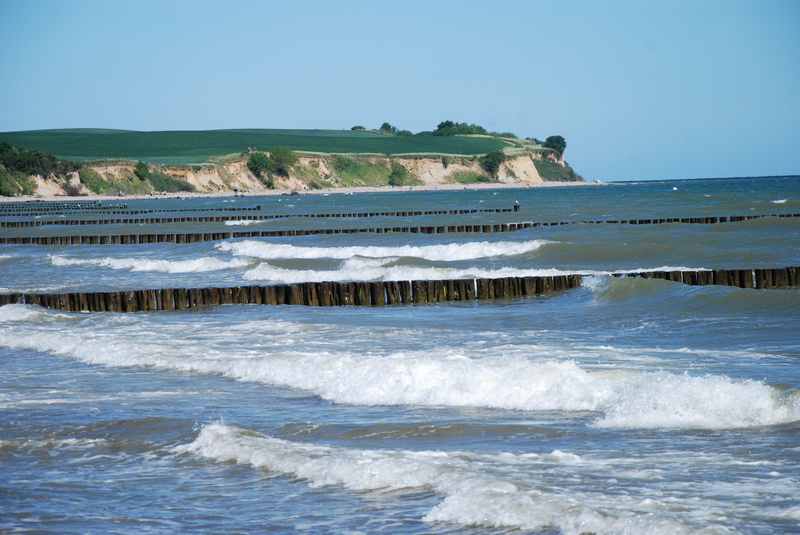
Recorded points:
244,223
363,269
779,201
471,495
54,444
444,252
40,289
196,265
448,377
20,312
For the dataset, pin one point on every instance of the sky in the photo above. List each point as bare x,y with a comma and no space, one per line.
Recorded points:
640,90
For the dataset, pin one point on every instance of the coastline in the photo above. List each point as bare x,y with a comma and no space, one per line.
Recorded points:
323,191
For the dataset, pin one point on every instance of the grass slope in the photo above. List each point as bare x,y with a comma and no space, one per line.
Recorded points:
552,172
186,147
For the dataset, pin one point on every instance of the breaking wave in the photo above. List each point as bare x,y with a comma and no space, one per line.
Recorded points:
364,269
470,494
722,299
367,269
623,399
443,252
245,223
196,265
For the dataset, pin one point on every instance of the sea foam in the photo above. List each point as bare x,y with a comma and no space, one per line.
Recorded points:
622,399
195,265
441,252
470,495
364,269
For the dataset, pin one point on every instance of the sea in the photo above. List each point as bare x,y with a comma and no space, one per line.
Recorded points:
632,406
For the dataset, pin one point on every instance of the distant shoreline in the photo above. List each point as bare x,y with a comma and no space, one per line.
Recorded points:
324,191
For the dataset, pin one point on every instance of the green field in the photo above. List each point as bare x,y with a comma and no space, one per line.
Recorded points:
187,147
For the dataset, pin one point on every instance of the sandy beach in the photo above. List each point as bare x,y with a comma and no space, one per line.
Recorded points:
324,191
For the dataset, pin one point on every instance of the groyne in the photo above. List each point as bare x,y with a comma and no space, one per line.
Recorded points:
225,218
707,220
379,293
193,237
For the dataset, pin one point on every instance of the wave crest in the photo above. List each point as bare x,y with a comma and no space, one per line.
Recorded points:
471,497
441,252
623,399
195,265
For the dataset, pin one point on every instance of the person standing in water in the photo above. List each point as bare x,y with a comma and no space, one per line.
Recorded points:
516,206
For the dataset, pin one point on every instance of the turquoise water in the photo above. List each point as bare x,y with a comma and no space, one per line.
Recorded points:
625,406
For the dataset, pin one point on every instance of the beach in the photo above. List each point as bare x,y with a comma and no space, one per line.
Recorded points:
321,191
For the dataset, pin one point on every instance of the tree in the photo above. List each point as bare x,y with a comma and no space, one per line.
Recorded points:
141,171
557,143
450,128
258,163
387,128
492,161
33,162
357,128
281,161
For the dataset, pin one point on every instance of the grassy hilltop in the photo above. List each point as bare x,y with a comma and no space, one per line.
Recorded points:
199,146
101,161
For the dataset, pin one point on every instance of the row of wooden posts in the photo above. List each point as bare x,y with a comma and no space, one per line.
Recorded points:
115,239
760,278
41,207
259,217
11,209
378,293
354,215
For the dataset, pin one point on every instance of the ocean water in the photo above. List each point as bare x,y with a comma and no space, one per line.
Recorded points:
625,406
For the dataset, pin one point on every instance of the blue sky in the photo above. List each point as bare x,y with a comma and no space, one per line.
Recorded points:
641,90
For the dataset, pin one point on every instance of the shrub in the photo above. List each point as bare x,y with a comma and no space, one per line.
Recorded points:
142,171
398,175
492,161
405,133
469,177
557,143
33,162
93,181
356,172
280,161
258,163
12,183
553,172
450,128
387,128
163,182
357,128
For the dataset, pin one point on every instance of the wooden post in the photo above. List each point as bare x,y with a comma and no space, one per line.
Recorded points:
377,294
406,293
420,292
392,289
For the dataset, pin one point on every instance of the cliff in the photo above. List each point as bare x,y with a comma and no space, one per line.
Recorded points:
310,172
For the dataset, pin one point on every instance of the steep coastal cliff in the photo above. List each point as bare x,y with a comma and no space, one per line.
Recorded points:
310,172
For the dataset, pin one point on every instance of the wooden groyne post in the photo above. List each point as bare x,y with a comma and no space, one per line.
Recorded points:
380,293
